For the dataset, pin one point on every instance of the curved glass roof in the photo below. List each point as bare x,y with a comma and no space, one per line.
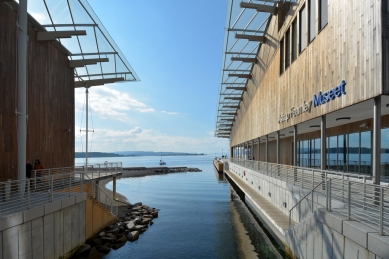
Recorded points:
108,62
244,19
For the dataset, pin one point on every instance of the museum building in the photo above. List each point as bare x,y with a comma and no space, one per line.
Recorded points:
305,83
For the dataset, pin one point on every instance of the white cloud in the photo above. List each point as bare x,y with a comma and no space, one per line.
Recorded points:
145,109
170,113
148,139
40,17
109,103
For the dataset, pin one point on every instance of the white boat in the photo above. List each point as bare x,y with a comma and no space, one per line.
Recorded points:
161,162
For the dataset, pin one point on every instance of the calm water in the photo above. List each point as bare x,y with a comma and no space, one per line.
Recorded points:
197,218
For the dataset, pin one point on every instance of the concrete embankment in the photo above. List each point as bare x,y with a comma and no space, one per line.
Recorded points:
145,171
322,234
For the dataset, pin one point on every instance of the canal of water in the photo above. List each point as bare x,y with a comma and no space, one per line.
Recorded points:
200,215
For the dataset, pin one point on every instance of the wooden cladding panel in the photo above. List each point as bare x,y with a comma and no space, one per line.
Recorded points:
347,48
50,97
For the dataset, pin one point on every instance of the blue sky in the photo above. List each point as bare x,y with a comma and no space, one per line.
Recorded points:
175,47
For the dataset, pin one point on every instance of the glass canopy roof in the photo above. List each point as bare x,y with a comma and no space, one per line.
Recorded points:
76,15
245,21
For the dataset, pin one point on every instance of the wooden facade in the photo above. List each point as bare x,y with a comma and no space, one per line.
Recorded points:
347,48
50,104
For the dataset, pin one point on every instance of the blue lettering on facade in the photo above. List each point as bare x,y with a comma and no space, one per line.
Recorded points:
322,98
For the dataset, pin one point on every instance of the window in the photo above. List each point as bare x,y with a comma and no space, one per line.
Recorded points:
323,13
294,40
303,29
281,56
312,19
287,49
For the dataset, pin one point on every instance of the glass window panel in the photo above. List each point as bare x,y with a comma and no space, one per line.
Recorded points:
287,49
353,152
59,11
78,13
88,41
312,19
281,56
385,155
317,153
303,28
323,13
333,153
294,40
366,153
37,9
341,153
305,153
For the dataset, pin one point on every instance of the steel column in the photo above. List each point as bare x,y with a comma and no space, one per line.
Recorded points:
377,140
323,160
21,111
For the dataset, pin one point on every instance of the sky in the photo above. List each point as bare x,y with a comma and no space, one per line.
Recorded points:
175,47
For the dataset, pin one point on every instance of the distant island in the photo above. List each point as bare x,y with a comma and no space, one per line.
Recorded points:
134,153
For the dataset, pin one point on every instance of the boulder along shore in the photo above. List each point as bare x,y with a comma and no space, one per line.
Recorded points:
135,220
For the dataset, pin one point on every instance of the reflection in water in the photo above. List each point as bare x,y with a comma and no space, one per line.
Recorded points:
250,239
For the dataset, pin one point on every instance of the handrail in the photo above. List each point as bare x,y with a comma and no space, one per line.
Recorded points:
310,192
353,195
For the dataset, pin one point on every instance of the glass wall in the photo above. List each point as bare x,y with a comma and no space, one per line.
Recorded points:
346,153
385,155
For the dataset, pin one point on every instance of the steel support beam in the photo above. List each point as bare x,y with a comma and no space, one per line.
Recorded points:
234,98
21,112
236,88
248,76
53,35
96,82
267,149
250,60
295,145
278,146
259,149
231,106
323,142
377,140
260,7
261,39
83,62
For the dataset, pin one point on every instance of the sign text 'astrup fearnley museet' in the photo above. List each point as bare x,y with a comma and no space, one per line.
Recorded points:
319,99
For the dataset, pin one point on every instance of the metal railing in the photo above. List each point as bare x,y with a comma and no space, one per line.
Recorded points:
93,170
351,195
48,186
298,203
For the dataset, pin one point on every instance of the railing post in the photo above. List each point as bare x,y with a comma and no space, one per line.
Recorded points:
35,181
343,187
70,183
364,192
290,217
381,227
313,179
51,179
312,200
349,201
49,174
329,195
28,193
81,182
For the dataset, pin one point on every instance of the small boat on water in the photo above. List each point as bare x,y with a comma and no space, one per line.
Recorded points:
161,162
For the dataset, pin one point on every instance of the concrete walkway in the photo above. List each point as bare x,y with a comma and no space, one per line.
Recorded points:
273,214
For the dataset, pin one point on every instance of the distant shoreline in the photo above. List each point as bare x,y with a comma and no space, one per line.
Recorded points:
141,154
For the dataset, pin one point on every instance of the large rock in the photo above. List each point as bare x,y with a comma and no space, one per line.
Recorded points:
117,246
132,236
123,239
155,214
131,225
106,239
82,250
104,249
113,231
102,234
137,204
95,254
139,227
97,241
